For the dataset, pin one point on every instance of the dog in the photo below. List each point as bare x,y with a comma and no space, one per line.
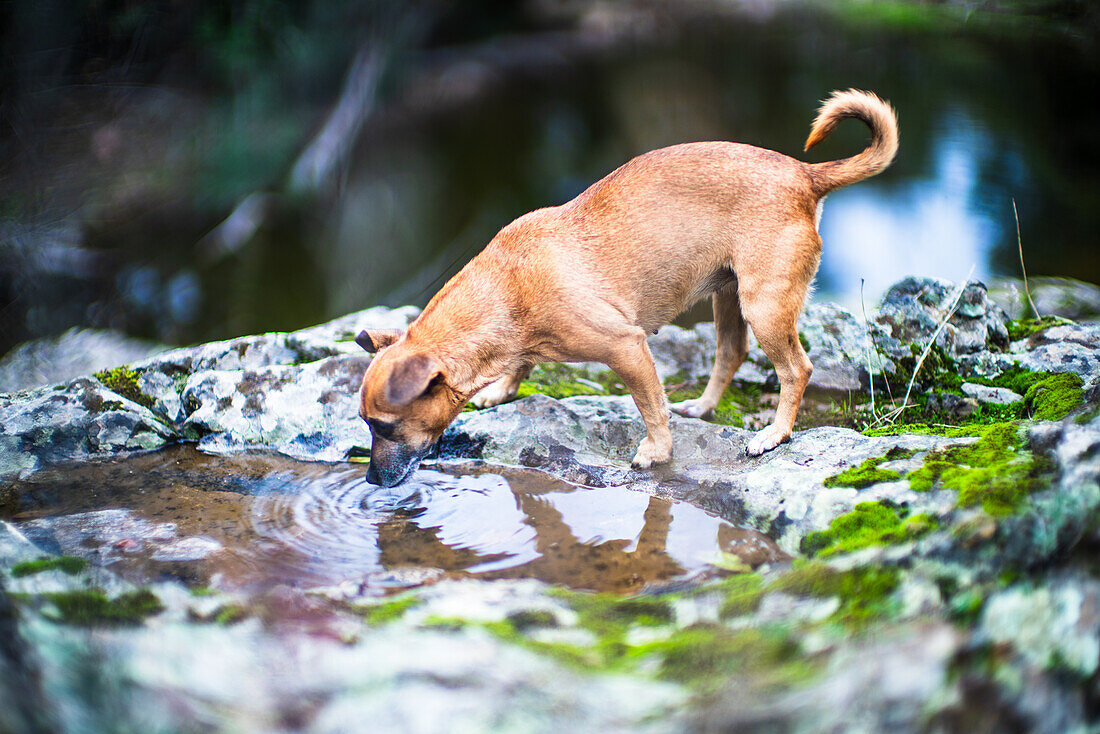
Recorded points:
589,280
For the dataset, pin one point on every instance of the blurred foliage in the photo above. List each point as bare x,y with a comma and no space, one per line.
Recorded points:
131,129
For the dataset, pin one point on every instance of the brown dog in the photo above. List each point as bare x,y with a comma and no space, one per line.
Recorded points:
588,280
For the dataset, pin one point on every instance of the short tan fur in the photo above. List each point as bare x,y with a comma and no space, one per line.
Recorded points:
590,279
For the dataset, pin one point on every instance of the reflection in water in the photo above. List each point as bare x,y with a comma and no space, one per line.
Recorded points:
253,521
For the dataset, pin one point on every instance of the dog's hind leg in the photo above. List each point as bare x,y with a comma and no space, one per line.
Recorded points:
500,391
733,347
771,306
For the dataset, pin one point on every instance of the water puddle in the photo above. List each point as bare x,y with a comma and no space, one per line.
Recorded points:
255,521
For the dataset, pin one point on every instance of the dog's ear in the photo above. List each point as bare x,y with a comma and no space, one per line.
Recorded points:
378,339
411,378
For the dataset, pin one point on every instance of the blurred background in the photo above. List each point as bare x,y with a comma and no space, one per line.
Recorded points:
183,171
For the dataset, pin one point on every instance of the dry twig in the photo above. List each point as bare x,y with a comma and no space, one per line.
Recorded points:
896,412
1020,247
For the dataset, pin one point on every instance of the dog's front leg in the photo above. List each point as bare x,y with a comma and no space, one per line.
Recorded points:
633,362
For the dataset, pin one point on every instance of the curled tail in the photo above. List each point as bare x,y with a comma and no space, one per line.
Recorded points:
877,115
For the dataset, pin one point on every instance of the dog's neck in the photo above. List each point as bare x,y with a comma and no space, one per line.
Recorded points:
475,339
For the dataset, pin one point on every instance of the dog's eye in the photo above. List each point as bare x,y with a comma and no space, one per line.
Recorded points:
381,428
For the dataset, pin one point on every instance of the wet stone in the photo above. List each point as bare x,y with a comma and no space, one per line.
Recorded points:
993,395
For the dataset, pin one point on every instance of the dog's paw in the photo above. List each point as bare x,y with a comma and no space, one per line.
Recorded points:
492,394
767,440
691,409
649,453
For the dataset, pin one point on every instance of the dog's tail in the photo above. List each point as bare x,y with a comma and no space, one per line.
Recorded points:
877,115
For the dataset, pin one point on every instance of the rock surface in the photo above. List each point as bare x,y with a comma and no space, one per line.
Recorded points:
75,353
912,311
980,618
1065,297
589,440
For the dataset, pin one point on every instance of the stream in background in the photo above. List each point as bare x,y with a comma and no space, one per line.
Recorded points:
992,108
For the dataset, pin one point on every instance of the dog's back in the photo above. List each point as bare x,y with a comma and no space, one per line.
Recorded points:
675,224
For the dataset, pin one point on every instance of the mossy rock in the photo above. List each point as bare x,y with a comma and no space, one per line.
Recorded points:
565,381
610,615
1023,328
124,381
865,594
705,655
996,472
230,614
1055,397
743,593
869,524
92,607
388,611
1047,396
66,564
868,473
527,619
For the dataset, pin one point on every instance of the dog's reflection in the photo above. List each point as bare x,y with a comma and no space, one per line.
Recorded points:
581,538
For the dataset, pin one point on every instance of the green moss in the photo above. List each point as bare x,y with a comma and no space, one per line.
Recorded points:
230,614
735,401
869,473
1053,398
445,624
587,659
609,618
612,616
865,594
705,655
938,375
1047,396
526,619
807,578
898,429
965,607
1087,416
1023,328
67,564
700,656
937,371
849,411
201,591
564,381
388,611
92,608
563,389
995,472
743,593
869,524
124,381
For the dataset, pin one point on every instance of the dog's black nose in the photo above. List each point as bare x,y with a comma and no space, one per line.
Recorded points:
372,475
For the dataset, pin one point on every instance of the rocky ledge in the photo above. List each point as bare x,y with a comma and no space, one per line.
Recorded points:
940,500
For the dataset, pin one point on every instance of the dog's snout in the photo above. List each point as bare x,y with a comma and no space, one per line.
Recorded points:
391,463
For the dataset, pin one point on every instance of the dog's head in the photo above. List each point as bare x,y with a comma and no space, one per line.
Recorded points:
406,402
